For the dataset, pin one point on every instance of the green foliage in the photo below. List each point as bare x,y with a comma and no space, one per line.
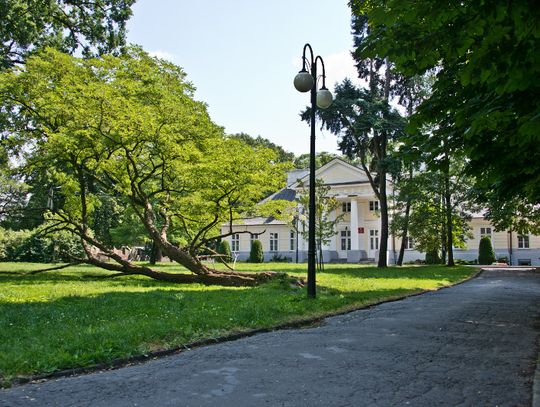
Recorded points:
125,139
225,250
13,193
71,318
485,56
282,156
513,214
256,255
427,220
31,246
321,158
95,26
278,258
486,255
432,257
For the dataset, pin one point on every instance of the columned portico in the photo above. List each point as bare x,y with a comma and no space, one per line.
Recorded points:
354,255
354,224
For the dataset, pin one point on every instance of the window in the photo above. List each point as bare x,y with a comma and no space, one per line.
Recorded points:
273,242
409,243
374,239
346,207
485,232
373,206
292,240
346,239
235,242
523,241
252,238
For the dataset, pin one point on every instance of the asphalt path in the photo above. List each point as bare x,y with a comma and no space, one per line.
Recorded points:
474,344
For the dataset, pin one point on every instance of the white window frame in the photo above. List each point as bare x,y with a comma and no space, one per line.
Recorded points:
274,242
373,206
374,239
486,231
235,242
252,238
409,243
345,239
292,240
346,207
524,242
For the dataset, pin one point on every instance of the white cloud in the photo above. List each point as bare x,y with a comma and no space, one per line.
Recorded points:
163,55
338,67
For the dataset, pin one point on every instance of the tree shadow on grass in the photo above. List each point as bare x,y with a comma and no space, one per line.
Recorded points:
76,330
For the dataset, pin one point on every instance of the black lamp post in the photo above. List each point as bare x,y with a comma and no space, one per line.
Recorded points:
306,81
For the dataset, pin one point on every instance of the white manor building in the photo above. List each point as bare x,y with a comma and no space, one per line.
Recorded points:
357,237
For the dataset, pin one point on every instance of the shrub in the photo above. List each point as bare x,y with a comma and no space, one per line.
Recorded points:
432,257
278,258
29,246
486,255
256,255
225,250
502,259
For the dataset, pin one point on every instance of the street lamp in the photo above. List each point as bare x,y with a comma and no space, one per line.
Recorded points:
306,81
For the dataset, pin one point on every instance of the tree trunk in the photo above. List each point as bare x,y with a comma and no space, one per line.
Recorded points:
155,254
383,244
448,214
201,274
404,233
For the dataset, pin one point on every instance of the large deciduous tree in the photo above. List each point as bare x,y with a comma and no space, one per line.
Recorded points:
127,128
92,26
486,58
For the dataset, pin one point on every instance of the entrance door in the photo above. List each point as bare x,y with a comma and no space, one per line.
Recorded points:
344,243
373,243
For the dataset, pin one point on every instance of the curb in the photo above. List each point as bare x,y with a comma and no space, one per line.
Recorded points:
301,323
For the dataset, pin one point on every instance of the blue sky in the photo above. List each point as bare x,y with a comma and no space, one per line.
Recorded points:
242,56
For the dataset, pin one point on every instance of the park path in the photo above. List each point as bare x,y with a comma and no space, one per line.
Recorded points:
474,344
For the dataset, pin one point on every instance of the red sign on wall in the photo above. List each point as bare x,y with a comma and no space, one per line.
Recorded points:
360,230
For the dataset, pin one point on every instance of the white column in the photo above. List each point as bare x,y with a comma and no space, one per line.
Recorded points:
354,224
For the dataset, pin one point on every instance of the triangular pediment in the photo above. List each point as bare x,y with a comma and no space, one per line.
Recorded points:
337,172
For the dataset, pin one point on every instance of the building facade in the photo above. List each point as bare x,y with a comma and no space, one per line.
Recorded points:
357,234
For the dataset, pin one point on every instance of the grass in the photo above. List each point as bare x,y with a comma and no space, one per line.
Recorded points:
72,318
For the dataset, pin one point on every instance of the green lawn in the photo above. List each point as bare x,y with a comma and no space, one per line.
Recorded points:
70,318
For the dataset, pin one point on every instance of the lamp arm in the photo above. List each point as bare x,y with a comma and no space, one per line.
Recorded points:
318,58
304,59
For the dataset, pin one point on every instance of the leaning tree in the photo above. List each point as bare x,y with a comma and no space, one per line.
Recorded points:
128,128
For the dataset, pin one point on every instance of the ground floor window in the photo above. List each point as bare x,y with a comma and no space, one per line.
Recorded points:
523,241
292,240
485,232
374,239
235,242
346,239
409,243
273,242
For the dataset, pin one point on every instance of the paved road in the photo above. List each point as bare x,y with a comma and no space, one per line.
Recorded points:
470,345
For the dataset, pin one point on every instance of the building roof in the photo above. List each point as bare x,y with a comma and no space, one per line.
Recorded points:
285,194
260,221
